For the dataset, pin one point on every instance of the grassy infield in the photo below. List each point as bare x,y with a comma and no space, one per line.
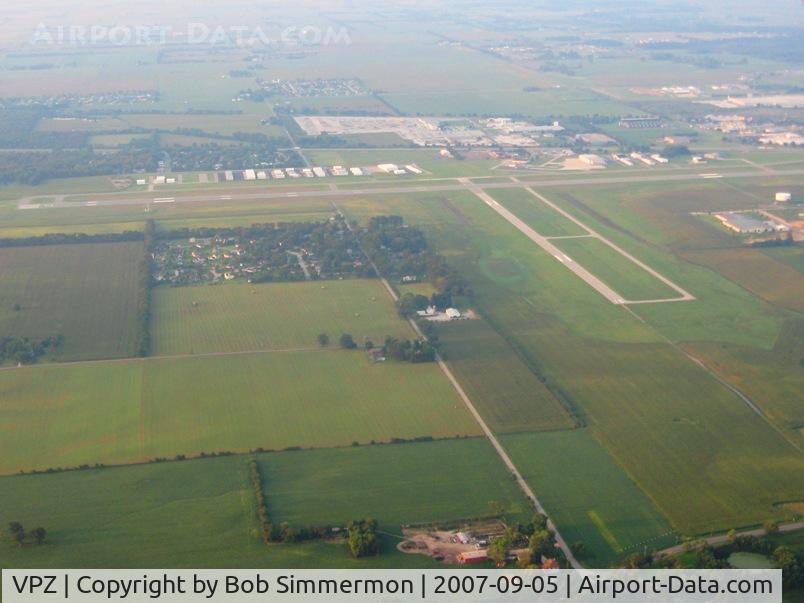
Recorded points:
698,454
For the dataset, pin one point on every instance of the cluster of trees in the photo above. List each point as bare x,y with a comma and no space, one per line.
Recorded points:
22,350
706,556
783,241
34,167
328,248
363,540
539,540
69,154
144,286
255,150
419,350
676,150
410,303
401,251
18,534
347,342
404,350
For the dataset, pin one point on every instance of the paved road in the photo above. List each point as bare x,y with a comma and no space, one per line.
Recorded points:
223,194
523,485
485,428
724,538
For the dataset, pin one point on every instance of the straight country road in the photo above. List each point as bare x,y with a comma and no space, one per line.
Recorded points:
523,485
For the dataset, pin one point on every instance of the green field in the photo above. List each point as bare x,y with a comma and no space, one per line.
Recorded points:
202,513
771,279
693,446
502,387
129,411
237,317
87,293
395,484
590,498
539,216
617,271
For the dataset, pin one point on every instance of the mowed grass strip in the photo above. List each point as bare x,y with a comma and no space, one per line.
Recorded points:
131,411
87,293
588,495
396,484
617,271
241,317
502,387
538,215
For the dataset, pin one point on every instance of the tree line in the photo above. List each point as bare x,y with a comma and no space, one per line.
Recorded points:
705,556
402,253
404,350
144,286
60,238
362,538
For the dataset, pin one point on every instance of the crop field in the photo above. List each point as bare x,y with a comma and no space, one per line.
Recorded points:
240,317
539,216
223,125
92,229
790,256
168,216
115,140
103,124
505,391
770,279
395,484
199,513
656,227
614,269
693,446
335,105
772,378
131,411
588,495
86,293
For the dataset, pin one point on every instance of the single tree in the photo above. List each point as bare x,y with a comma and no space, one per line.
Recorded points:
323,339
347,342
17,532
540,544
39,534
498,551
